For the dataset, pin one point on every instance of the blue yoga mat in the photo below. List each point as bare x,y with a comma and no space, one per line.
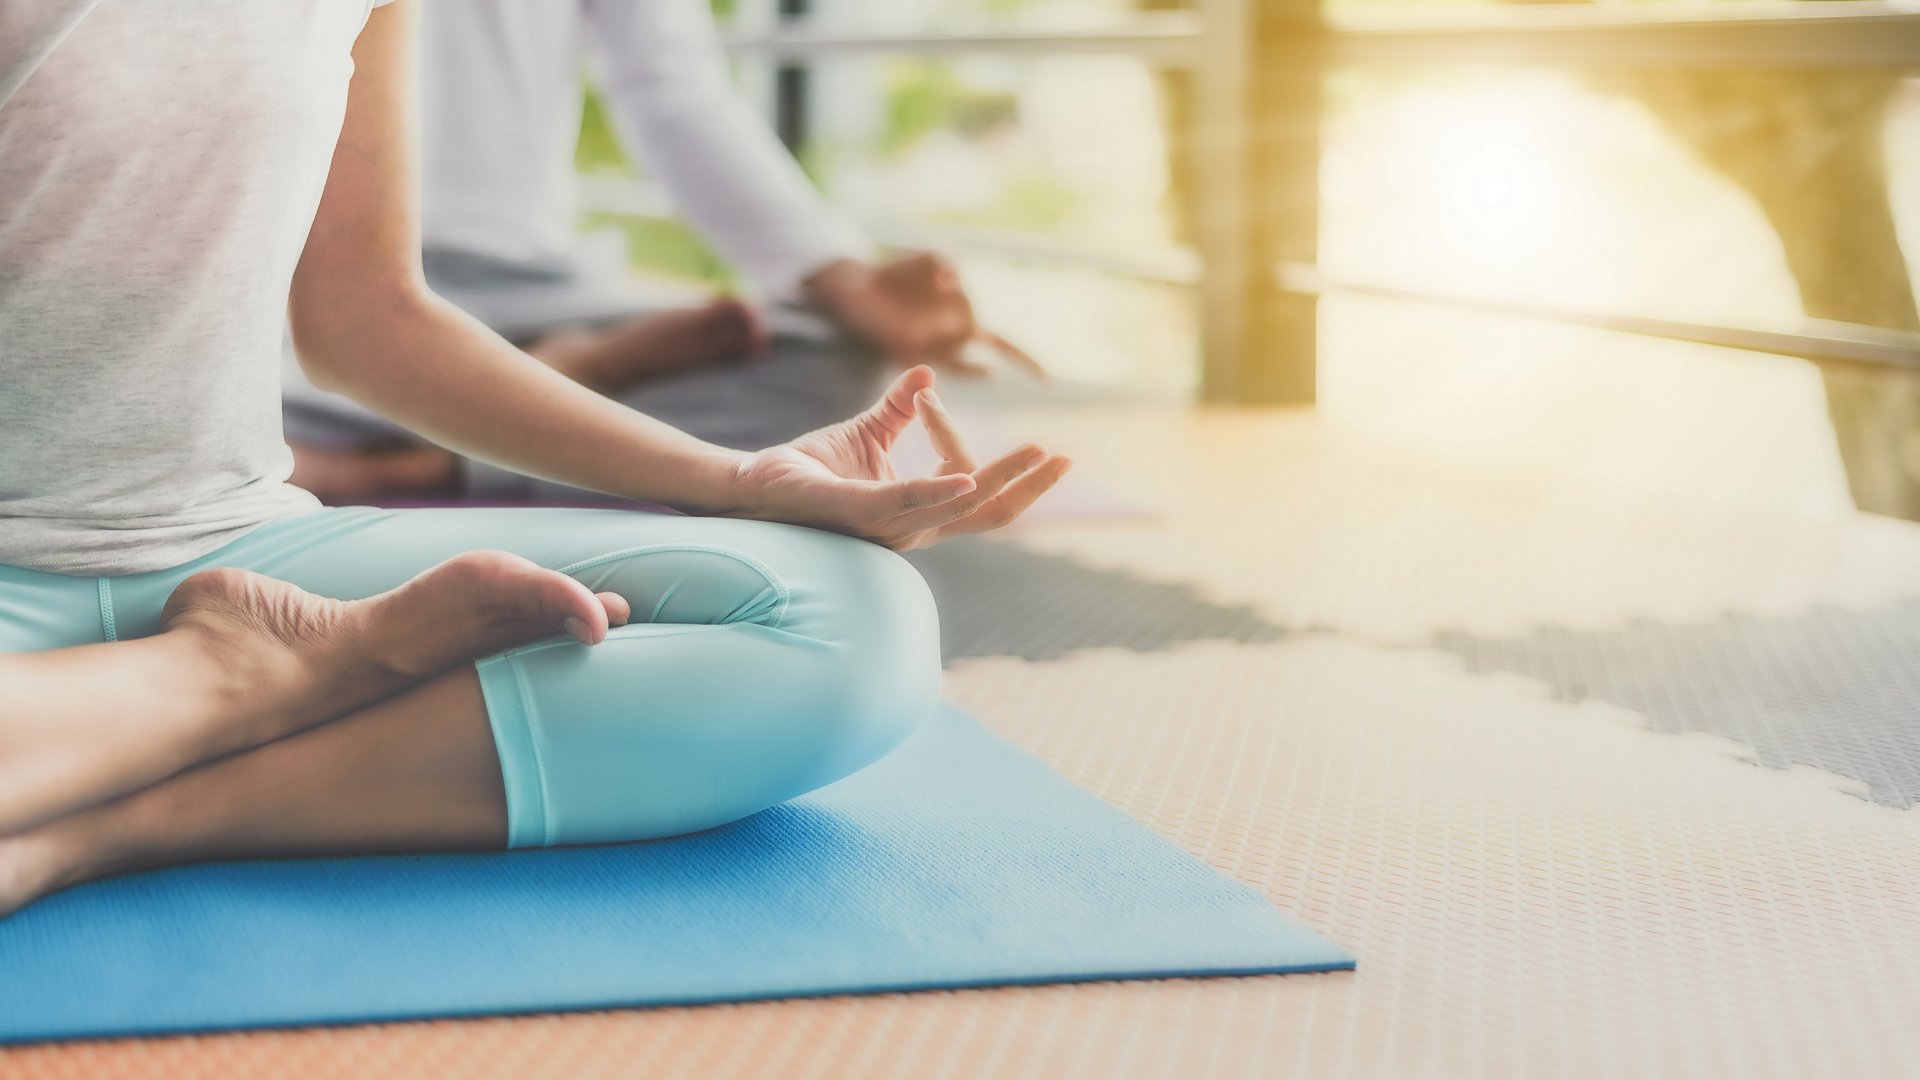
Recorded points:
958,861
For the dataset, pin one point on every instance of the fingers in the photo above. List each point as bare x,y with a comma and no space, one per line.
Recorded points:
954,362
951,358
878,501
1014,353
895,410
945,436
1012,501
922,271
936,314
987,484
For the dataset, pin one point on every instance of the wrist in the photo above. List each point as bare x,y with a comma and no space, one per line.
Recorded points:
723,488
837,285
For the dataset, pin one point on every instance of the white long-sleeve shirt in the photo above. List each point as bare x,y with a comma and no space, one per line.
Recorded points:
501,108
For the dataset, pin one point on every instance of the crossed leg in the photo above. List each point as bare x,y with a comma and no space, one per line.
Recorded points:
416,772
762,661
241,659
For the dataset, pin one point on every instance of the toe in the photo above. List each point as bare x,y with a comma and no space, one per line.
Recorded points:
618,610
579,612
24,871
520,599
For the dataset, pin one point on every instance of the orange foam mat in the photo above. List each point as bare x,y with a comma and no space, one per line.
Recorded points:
1535,890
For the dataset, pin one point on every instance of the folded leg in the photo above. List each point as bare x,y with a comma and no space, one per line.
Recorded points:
762,661
242,660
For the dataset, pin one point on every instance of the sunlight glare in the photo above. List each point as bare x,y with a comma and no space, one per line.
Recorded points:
1495,188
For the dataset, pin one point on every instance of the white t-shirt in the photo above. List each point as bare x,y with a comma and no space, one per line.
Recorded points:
160,164
500,113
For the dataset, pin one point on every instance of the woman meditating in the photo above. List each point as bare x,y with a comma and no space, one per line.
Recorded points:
199,662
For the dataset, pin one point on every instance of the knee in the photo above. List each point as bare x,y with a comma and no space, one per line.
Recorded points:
877,677
880,592
834,587
853,672
662,731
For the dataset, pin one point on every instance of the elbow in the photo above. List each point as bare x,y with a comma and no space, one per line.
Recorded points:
325,361
309,344
316,365
338,332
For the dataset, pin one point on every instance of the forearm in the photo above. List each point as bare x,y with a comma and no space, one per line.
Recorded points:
365,324
426,364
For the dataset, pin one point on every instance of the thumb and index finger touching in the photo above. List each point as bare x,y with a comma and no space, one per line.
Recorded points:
910,396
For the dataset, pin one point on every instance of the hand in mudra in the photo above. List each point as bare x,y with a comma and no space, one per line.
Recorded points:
915,311
841,477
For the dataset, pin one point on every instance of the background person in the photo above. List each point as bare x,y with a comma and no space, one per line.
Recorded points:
502,105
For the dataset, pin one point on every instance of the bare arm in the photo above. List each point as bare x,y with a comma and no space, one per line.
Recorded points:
670,91
367,325
671,95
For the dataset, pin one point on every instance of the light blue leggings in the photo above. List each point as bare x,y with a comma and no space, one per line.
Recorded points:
762,661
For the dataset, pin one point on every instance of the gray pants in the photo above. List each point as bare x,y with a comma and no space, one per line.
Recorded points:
811,376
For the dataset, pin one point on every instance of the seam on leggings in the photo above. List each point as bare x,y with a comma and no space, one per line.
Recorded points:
614,635
539,760
767,575
107,626
654,617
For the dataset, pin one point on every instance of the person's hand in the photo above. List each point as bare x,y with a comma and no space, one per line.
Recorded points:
840,477
912,309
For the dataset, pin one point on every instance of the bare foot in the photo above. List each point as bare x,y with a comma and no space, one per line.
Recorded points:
30,867
285,660
609,360
350,474
295,658
63,853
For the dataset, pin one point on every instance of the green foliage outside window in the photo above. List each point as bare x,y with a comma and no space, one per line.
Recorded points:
653,246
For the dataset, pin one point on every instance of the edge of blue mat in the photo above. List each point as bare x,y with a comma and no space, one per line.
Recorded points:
360,1020
1340,959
